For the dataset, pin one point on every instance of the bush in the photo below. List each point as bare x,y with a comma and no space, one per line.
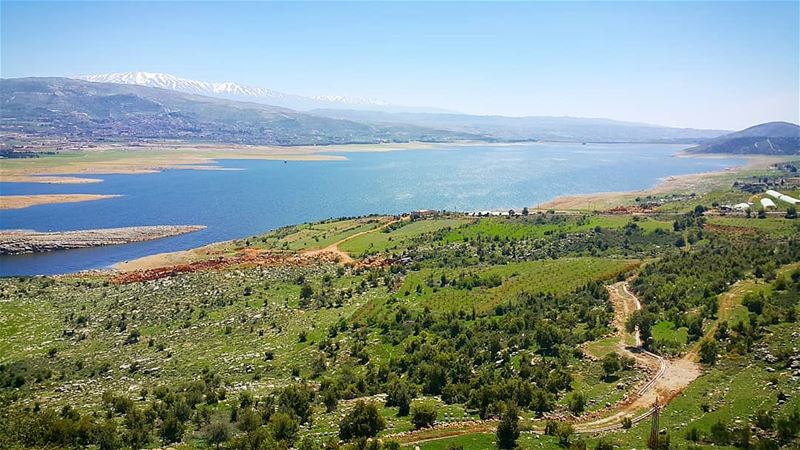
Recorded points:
423,415
577,403
508,428
604,445
611,364
283,426
363,421
171,429
708,352
400,393
296,399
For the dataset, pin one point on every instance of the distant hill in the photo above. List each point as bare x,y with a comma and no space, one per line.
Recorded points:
772,138
64,107
568,129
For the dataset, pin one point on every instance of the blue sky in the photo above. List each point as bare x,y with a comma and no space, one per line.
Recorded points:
715,65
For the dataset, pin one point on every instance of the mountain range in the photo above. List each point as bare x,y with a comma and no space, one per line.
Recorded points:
77,109
382,113
92,110
772,138
235,91
566,129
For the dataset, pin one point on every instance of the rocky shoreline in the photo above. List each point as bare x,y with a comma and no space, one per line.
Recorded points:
15,242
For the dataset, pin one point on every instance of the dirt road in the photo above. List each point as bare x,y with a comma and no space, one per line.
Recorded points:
669,379
341,255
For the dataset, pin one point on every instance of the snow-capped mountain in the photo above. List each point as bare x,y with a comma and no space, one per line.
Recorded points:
236,91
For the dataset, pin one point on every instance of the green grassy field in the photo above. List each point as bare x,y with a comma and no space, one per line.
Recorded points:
422,289
529,228
398,238
505,307
317,235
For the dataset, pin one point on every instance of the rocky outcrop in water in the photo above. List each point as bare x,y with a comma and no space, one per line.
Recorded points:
13,242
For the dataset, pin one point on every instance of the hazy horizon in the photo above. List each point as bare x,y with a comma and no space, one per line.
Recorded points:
707,65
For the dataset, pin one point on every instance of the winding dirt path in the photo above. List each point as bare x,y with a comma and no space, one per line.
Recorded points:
669,379
342,256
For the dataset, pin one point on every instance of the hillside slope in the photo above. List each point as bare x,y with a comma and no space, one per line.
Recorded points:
772,138
63,107
570,129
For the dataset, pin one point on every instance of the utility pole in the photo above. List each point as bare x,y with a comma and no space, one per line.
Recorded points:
653,442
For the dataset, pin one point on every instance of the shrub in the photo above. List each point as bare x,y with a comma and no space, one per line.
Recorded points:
363,421
423,415
508,428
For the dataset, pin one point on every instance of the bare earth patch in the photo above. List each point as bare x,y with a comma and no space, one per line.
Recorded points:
25,201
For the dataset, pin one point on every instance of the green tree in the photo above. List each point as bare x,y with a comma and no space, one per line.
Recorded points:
330,399
508,428
400,393
423,415
139,428
611,364
217,432
260,439
306,291
248,420
564,432
283,426
577,403
604,445
708,351
363,421
296,399
106,436
172,429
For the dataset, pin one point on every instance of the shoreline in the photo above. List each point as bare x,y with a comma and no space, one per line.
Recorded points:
665,185
697,183
70,166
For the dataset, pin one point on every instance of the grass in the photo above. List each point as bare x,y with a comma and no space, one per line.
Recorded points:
533,227
549,276
664,332
602,347
772,225
203,320
398,238
226,320
317,235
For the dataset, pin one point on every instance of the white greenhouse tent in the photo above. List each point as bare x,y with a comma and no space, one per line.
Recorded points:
783,197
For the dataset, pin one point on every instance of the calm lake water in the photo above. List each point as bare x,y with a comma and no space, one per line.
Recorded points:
269,194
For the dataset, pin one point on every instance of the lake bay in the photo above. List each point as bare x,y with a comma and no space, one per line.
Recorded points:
265,195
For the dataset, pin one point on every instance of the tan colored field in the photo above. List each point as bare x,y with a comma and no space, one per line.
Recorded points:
132,160
25,201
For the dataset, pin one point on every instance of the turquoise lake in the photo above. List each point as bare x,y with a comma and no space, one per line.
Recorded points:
265,195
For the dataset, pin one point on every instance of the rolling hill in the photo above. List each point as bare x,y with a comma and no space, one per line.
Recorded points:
772,138
566,129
